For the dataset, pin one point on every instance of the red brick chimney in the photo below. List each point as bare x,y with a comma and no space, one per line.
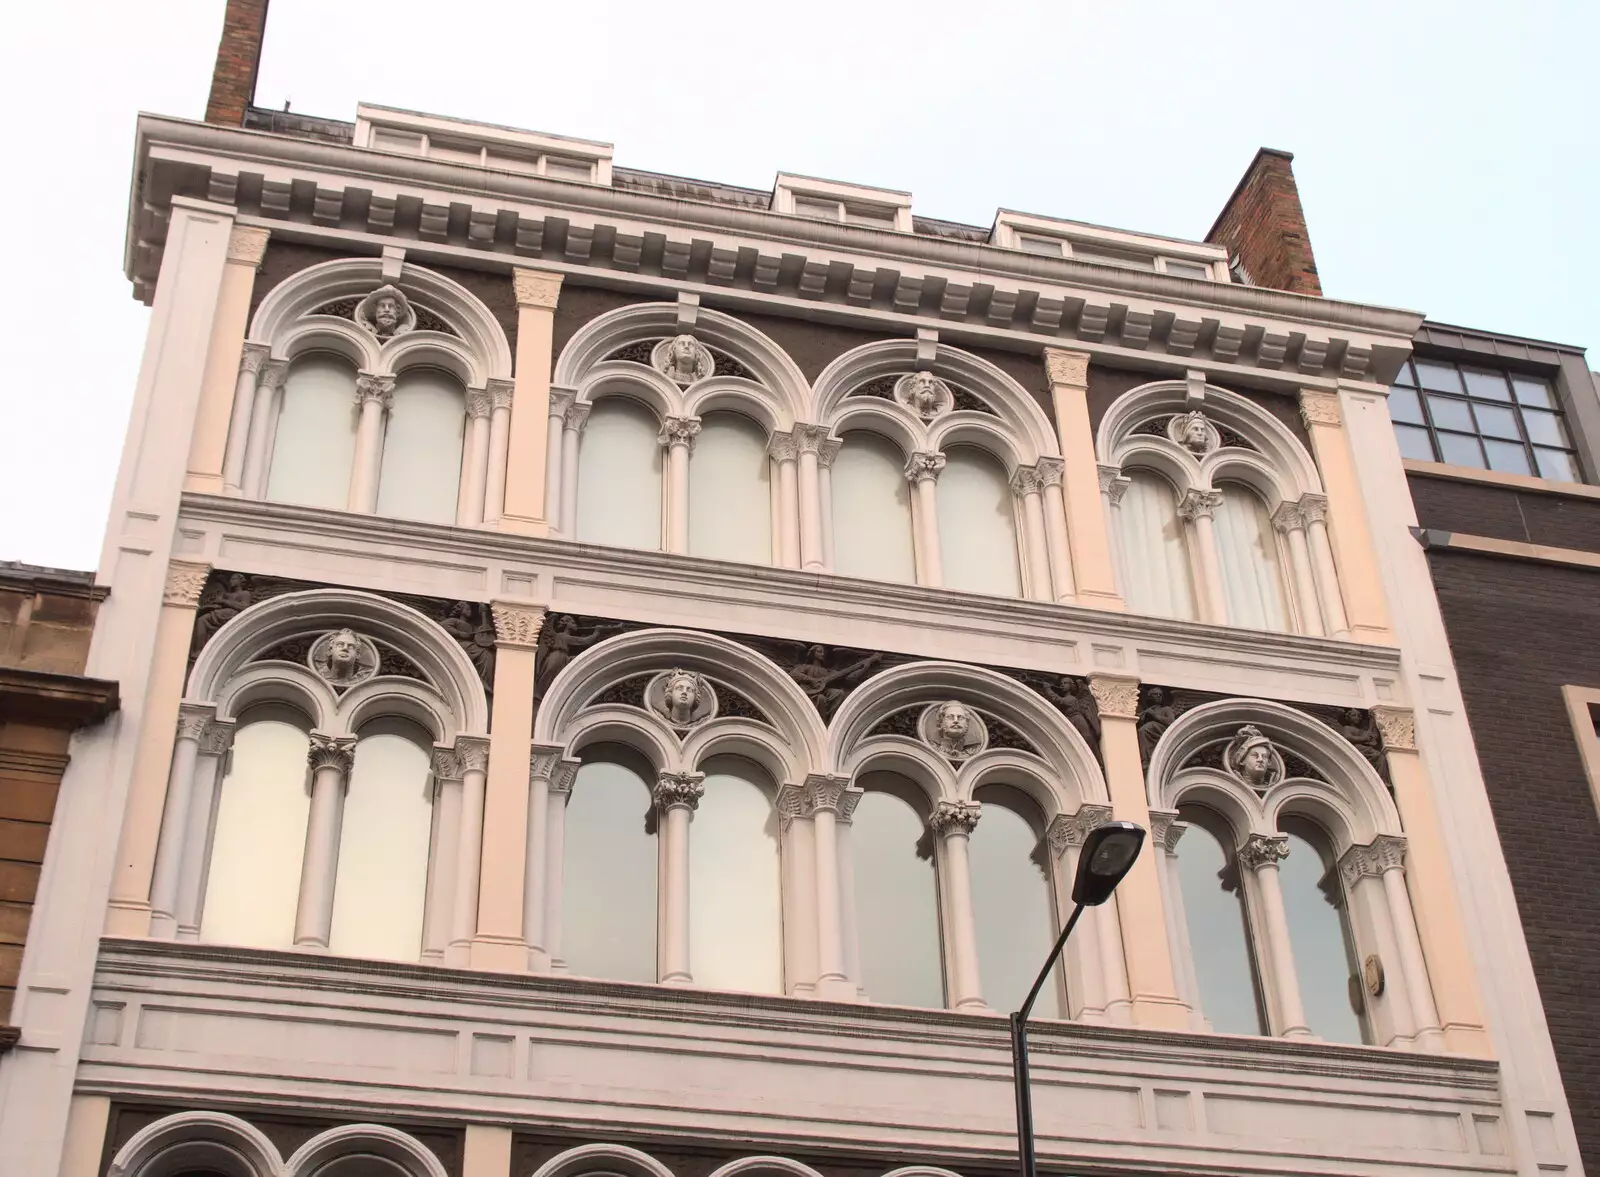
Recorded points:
233,81
1264,226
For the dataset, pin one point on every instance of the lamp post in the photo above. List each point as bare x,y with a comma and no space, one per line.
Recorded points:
1108,853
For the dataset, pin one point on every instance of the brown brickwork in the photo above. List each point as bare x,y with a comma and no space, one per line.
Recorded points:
1519,632
233,81
1264,226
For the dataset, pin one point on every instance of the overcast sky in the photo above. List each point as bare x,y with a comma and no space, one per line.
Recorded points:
1445,150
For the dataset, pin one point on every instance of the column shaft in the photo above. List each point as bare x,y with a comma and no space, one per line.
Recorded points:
678,497
1039,586
1093,575
494,483
825,508
475,468
787,541
244,400
570,435
1215,598
1327,578
468,866
810,503
1413,967
263,424
1305,587
1291,1015
533,902
830,940
374,394
552,459
331,762
197,838
447,837
1055,531
675,955
953,823
174,824
520,504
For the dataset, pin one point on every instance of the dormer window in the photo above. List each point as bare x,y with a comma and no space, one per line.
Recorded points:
482,145
1048,237
843,204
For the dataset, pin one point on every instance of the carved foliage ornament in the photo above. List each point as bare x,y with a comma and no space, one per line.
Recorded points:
342,658
953,730
681,697
517,625
676,789
331,752
185,581
1116,698
386,313
954,817
1398,726
1259,851
683,359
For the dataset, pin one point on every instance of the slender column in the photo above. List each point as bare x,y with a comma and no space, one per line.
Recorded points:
330,761
1431,885
1290,521
560,792
497,941
826,453
1314,508
1055,528
677,796
952,823
494,483
678,434
546,762
573,421
521,503
922,471
1349,538
1385,858
1165,830
215,745
784,450
1093,574
244,400
848,933
1025,486
1196,510
1113,485
811,439
1260,856
827,801
375,394
561,400
1139,907
1084,958
475,460
442,882
473,754
263,424
800,937
192,720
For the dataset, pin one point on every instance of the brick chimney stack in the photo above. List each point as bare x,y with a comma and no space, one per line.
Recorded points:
1264,226
233,81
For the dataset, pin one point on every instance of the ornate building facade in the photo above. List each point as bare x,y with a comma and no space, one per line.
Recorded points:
616,671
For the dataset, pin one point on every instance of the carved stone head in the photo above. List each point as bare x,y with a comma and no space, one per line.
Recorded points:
1253,759
386,312
953,730
924,394
343,658
1195,433
683,359
681,697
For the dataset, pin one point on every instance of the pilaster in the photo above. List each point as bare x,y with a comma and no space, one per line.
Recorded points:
1093,574
247,245
528,444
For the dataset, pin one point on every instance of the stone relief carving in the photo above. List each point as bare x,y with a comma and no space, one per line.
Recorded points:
923,465
1156,715
1259,851
924,394
219,604
954,817
953,730
1362,733
681,697
562,640
1073,698
472,626
1070,829
1398,726
1254,759
1194,432
386,312
683,359
342,658
679,431
1196,504
1386,852
825,683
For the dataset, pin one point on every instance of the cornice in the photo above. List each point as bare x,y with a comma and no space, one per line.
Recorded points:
643,237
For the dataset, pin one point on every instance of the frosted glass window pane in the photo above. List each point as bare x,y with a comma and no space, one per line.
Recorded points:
380,889
1323,962
872,510
977,524
315,442
897,899
253,886
608,891
1157,554
1217,935
735,913
730,492
1247,549
1012,908
421,472
619,476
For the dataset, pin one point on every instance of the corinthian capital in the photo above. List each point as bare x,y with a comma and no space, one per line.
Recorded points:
679,431
680,790
954,817
370,387
828,794
516,626
331,752
1319,408
923,466
1050,471
1025,482
253,357
536,288
1259,851
1067,367
1199,504
1398,726
1070,829
273,374
1116,697
185,581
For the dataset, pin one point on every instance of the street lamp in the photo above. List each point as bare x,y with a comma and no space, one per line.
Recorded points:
1108,854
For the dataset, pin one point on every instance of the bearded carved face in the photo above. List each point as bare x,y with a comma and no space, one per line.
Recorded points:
954,724
386,315
1196,434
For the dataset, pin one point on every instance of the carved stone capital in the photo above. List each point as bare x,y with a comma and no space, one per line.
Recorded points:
1197,504
679,789
1025,482
1398,727
1166,830
1070,368
1314,508
478,404
1288,517
500,392
331,752
810,439
1050,471
1319,408
923,466
446,765
192,720
379,389
1117,696
560,401
1261,851
273,374
791,803
217,739
1070,829
253,358
536,288
516,626
954,817
1113,484
247,245
1386,852
576,416
562,779
543,761
473,752
185,581
679,431
783,447
828,794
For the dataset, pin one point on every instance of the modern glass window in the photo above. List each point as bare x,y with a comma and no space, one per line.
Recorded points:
735,910
1481,417
1219,933
1012,909
897,896
608,891
977,524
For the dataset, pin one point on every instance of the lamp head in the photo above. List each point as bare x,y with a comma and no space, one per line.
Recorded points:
1108,854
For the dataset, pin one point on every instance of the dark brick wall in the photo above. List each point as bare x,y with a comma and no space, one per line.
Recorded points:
233,79
1264,225
1519,632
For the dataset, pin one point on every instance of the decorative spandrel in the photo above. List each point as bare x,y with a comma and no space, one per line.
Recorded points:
927,401
563,638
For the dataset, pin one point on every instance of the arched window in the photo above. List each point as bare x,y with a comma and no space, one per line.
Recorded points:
1155,551
730,493
1319,931
420,477
977,524
619,476
381,887
896,895
1012,908
313,442
1247,550
735,905
252,887
872,510
608,892
1219,935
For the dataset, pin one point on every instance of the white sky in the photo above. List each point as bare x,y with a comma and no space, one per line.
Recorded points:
1445,149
